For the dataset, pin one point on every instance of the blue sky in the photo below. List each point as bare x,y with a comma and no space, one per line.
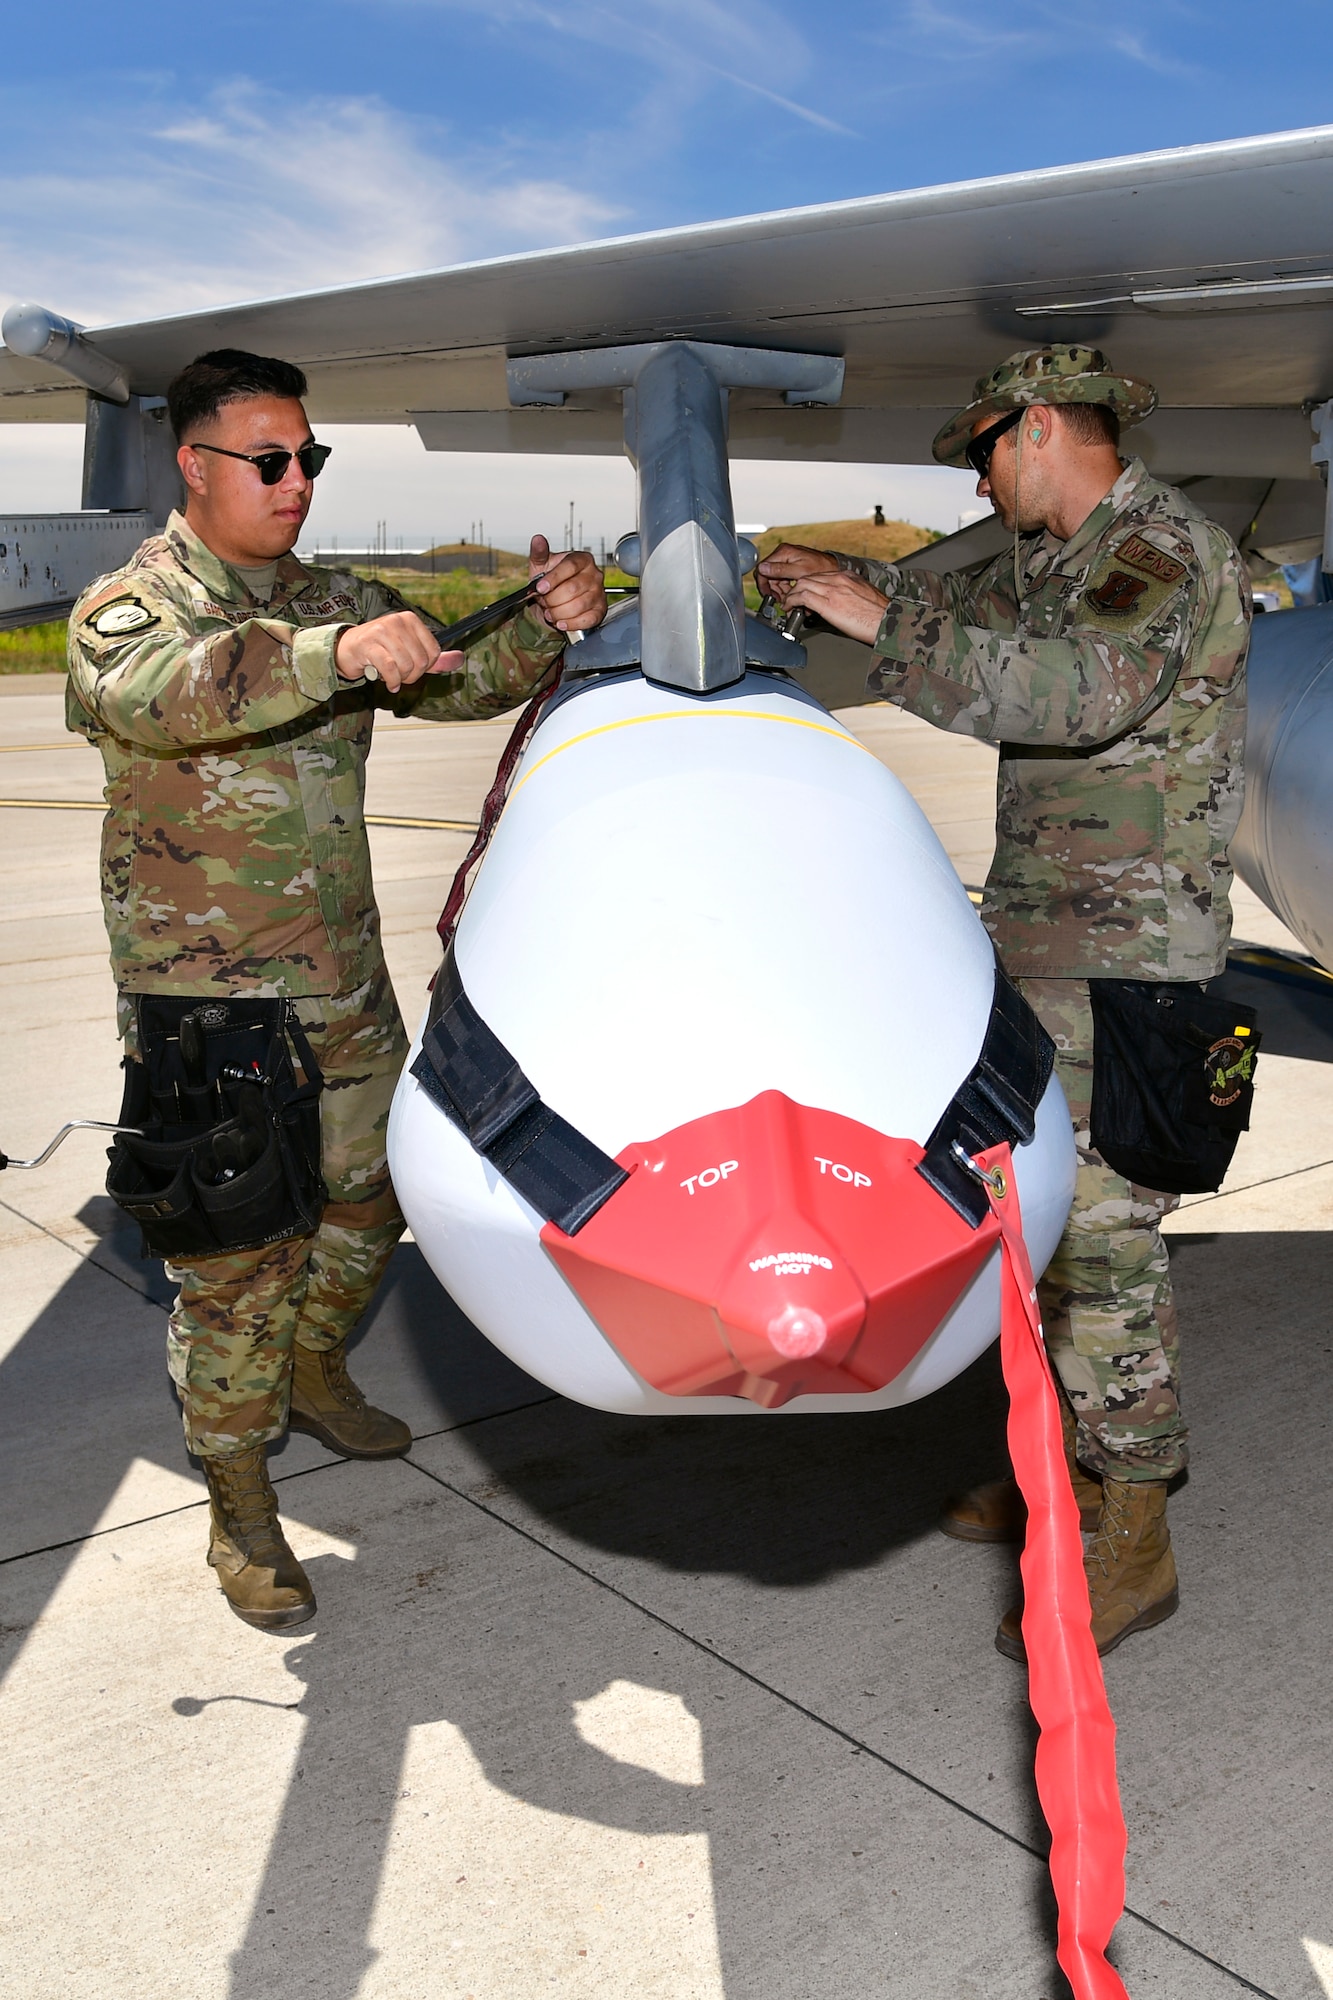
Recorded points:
159,157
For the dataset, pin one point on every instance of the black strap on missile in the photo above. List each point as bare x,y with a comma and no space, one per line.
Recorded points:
470,1074
489,614
995,1105
494,802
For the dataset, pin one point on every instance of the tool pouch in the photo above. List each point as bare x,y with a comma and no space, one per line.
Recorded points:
1172,1082
225,1099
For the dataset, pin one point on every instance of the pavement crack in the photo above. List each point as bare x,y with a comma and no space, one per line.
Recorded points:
467,1423
1246,1187
278,1478
85,1256
831,1728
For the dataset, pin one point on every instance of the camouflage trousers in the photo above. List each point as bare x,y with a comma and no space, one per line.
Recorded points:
238,1317
1106,1297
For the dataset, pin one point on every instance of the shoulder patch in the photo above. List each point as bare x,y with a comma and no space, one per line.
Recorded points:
1130,584
1152,561
121,617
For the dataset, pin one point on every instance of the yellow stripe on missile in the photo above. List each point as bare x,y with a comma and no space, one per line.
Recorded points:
692,715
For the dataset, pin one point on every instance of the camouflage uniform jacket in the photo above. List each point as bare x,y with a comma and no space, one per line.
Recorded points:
234,850
1115,688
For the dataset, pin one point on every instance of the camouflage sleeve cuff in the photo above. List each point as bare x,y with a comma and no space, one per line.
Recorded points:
881,576
901,637
313,666
534,639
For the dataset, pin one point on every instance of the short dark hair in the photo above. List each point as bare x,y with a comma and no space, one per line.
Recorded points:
1091,423
227,375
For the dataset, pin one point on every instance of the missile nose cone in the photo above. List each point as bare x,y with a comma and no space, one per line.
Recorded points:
771,1251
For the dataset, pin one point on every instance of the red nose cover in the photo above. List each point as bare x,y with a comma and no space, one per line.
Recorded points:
771,1251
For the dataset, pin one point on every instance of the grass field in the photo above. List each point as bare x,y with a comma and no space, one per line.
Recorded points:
888,542
34,649
40,649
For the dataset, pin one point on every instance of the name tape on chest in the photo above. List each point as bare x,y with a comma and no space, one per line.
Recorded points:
122,617
1131,583
301,609
325,607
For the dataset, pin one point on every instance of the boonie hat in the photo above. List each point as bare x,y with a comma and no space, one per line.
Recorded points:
1045,375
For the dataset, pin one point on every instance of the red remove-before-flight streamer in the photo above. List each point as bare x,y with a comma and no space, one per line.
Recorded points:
1076,1776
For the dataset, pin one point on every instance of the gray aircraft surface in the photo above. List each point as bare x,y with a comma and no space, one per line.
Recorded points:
1207,270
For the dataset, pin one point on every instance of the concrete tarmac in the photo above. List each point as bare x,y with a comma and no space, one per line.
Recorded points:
598,1706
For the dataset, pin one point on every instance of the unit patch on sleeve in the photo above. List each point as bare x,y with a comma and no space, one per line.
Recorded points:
1131,583
121,617
1153,562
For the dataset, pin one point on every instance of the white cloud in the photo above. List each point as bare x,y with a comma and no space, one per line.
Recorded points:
969,31
257,193
685,46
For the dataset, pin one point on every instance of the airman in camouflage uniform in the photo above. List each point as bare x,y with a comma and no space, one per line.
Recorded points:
235,861
1108,665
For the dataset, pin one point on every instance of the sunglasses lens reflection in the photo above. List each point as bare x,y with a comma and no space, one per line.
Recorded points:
272,465
982,449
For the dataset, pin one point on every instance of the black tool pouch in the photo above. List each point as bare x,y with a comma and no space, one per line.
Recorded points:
1172,1082
226,1151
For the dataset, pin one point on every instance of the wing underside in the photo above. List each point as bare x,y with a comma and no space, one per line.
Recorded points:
1207,270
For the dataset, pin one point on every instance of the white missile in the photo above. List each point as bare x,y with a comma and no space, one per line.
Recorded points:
715,988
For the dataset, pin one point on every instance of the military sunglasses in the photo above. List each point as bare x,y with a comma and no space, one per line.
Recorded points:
979,451
312,458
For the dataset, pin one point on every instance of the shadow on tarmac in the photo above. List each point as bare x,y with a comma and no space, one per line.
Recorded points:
784,1502
784,1505
1295,1011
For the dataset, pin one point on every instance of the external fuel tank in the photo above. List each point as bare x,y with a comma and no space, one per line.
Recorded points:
1284,847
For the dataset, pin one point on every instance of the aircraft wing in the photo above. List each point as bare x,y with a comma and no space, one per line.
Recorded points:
1208,270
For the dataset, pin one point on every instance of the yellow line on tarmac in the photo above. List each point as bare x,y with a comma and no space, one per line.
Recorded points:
59,805
437,825
1278,964
372,819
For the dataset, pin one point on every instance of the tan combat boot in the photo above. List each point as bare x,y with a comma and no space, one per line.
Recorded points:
995,1512
1130,1569
260,1577
327,1404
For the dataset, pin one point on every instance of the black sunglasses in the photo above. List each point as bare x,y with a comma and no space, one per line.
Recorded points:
979,450
312,458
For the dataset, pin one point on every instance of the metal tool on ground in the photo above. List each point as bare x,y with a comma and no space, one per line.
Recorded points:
74,1125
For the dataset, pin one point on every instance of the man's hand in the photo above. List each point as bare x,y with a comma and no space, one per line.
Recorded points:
570,595
789,562
397,649
846,602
